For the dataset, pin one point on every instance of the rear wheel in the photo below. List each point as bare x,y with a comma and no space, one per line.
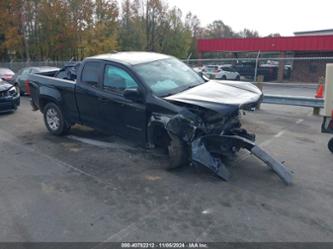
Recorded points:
238,78
330,145
224,77
54,120
178,153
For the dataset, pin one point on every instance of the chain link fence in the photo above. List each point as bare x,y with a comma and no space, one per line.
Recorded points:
274,69
16,66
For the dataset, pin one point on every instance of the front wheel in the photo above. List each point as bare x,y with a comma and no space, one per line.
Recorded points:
330,145
54,120
224,77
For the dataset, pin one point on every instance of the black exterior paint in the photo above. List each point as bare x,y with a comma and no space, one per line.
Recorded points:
209,109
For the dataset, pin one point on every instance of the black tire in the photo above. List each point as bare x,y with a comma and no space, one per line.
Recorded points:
224,77
54,120
330,145
238,78
178,153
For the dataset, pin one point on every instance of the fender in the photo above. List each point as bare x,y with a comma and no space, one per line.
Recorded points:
51,94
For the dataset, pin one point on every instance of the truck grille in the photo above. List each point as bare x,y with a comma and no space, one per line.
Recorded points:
3,94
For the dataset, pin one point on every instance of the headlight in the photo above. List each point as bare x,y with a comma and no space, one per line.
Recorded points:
12,91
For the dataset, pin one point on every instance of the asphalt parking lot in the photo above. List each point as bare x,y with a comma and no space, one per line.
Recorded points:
92,187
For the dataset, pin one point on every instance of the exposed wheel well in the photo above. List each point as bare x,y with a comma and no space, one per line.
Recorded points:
44,101
160,136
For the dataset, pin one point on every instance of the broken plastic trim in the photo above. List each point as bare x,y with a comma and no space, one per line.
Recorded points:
209,150
206,150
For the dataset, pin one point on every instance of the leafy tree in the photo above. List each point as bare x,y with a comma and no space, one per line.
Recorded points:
61,29
218,29
274,35
132,29
192,23
11,27
246,33
103,36
175,37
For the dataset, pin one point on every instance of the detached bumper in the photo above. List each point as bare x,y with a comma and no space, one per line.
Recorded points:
208,151
9,103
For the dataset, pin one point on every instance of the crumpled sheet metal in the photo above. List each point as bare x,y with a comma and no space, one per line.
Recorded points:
208,150
204,152
201,156
184,125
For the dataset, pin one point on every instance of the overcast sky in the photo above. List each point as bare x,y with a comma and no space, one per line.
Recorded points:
265,16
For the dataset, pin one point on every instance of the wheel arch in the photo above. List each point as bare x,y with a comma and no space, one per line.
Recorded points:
47,94
45,99
158,134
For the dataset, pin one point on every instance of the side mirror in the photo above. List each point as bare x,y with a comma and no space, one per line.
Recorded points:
203,75
133,94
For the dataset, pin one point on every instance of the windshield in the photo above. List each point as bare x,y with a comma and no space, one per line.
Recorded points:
168,76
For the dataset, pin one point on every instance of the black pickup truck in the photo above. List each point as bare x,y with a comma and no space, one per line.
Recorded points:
157,100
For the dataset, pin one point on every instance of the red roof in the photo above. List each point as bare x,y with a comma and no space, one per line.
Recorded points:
267,44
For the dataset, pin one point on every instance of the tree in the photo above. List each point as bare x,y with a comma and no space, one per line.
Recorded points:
155,13
11,28
61,29
274,35
81,15
192,23
56,32
131,35
175,37
102,37
246,33
218,29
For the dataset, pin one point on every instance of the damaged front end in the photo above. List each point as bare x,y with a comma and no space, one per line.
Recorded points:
212,131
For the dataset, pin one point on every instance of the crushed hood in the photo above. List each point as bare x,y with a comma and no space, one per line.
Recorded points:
221,96
4,86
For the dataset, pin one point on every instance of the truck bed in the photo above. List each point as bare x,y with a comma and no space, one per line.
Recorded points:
45,88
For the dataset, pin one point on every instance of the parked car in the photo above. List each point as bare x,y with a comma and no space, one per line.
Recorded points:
21,78
156,100
269,70
6,74
221,72
9,97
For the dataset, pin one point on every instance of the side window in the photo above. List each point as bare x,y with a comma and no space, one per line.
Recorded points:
117,79
26,71
90,73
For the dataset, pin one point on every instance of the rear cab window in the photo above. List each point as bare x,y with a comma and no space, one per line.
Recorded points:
90,73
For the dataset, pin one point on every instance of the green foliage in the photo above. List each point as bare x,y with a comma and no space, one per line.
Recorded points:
62,29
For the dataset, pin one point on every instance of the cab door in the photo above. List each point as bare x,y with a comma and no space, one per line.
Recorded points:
88,92
125,117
